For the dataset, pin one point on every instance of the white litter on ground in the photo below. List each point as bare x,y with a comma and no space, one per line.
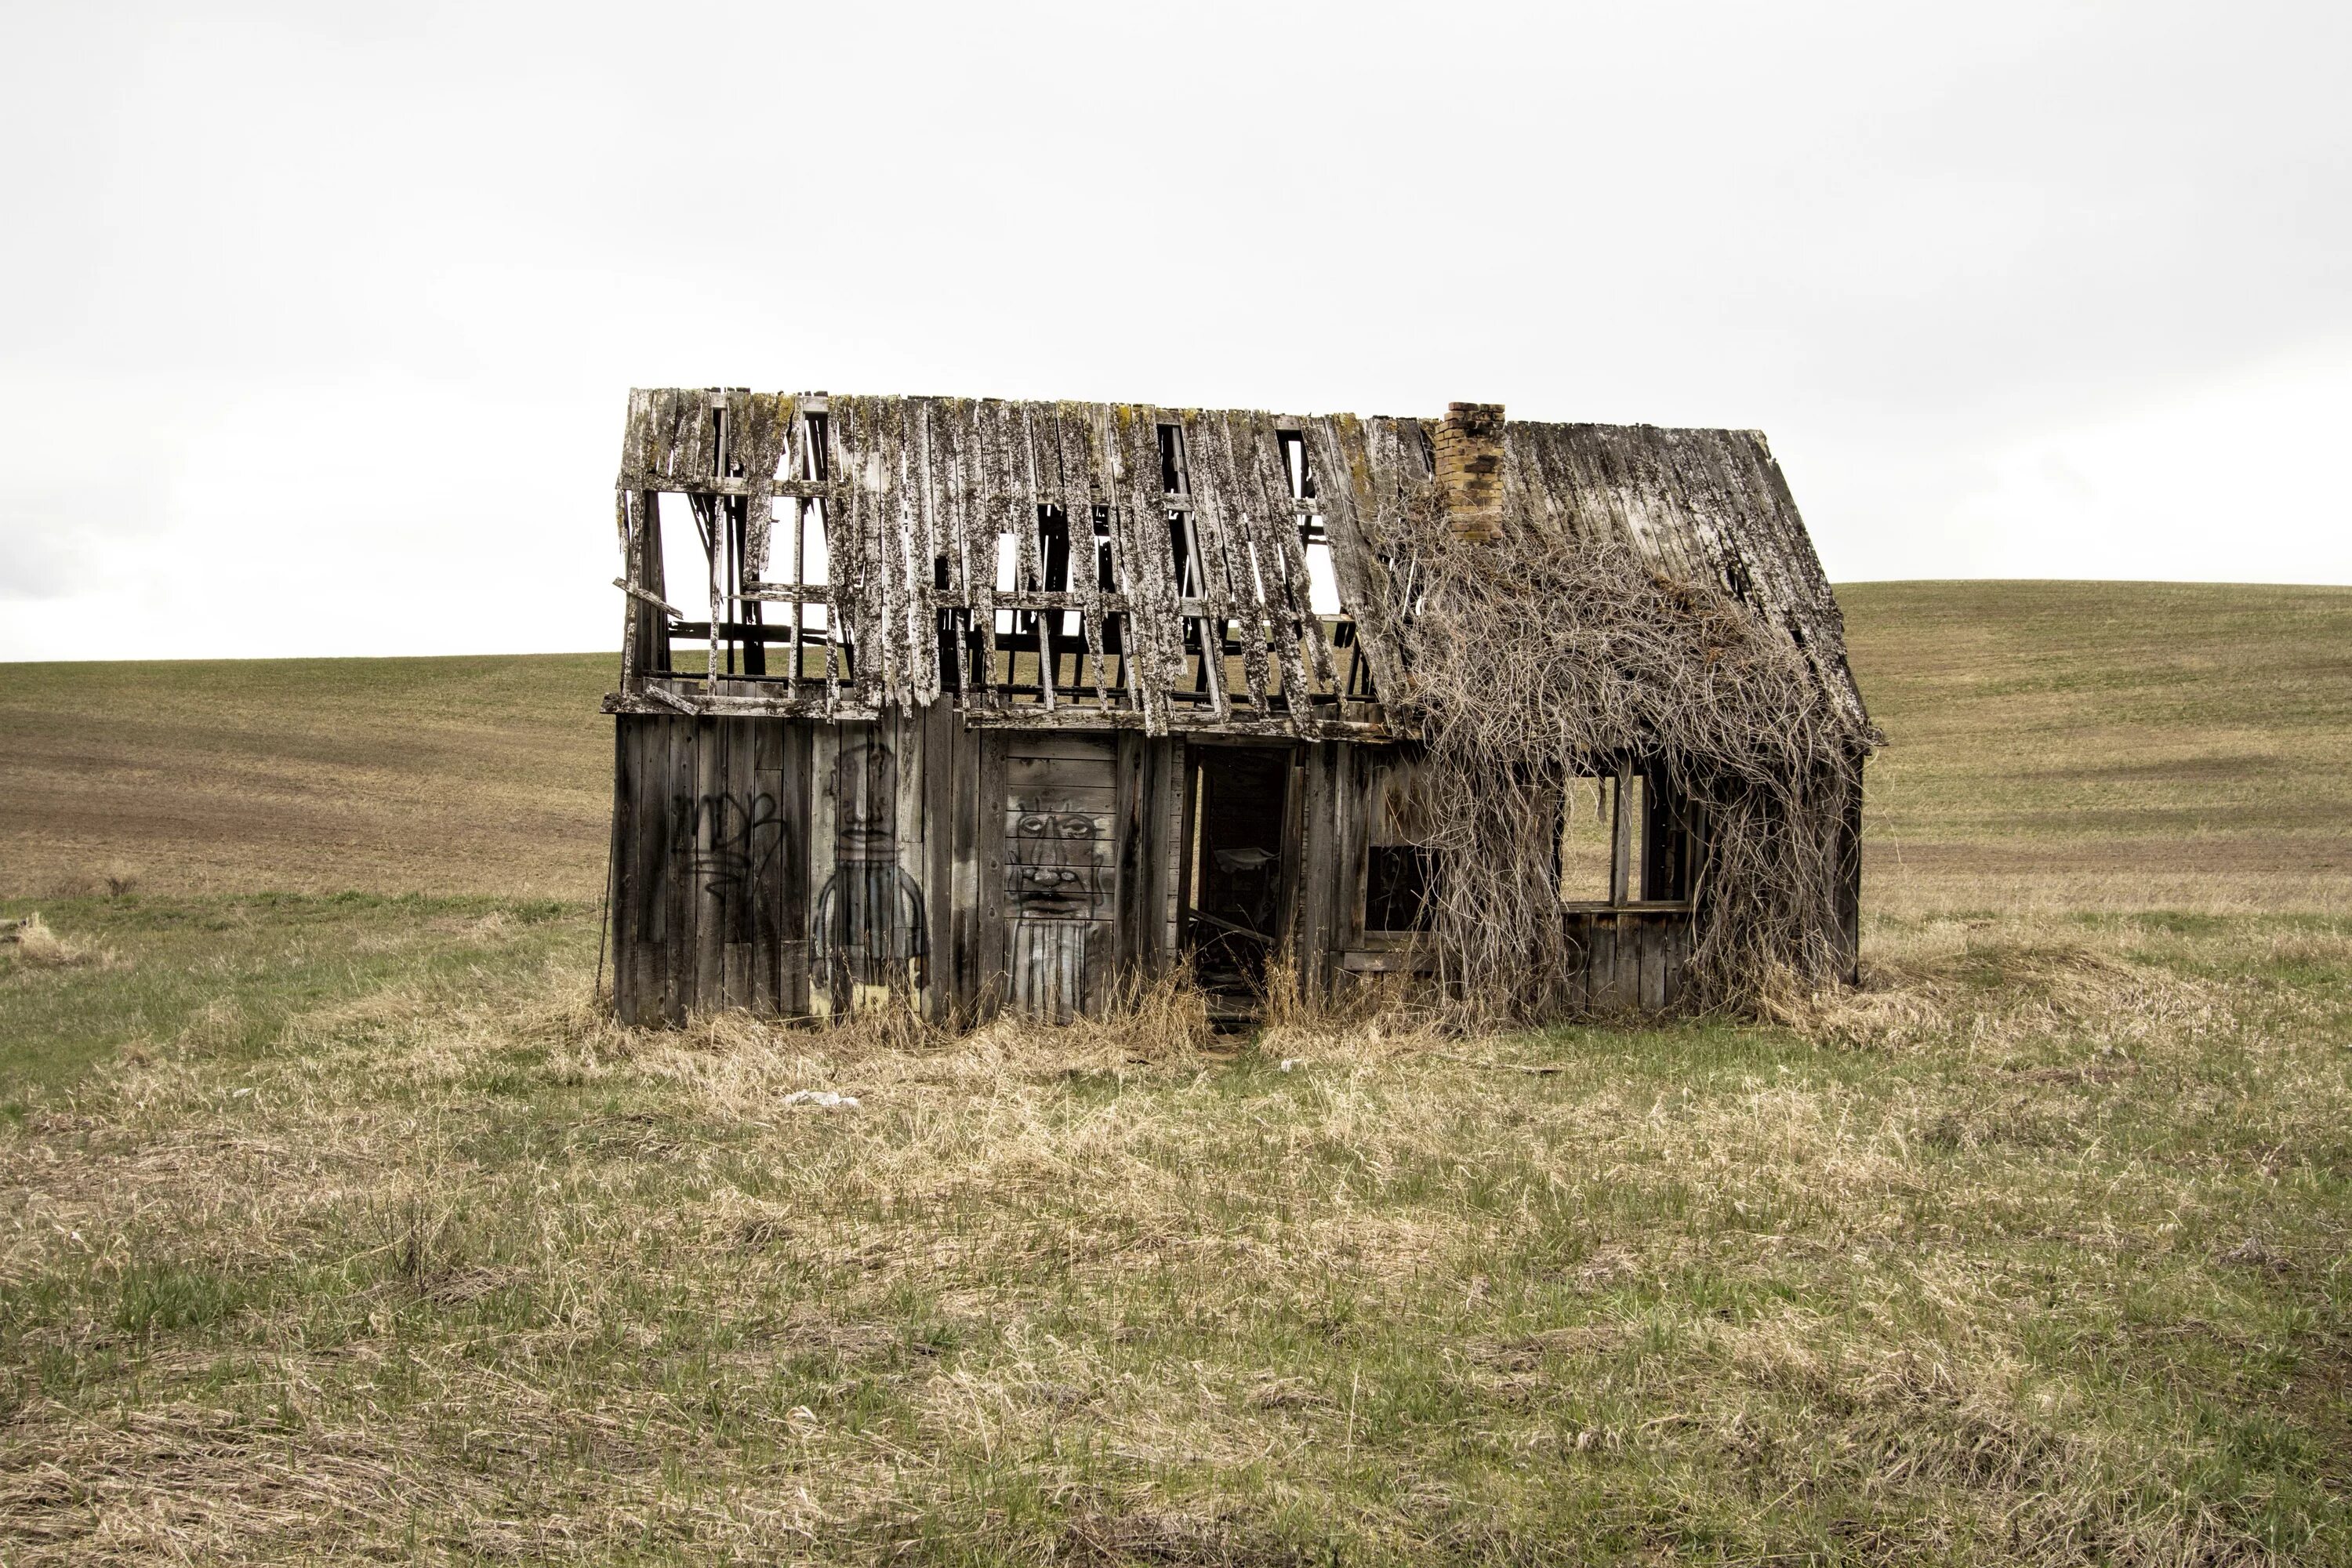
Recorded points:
823,1099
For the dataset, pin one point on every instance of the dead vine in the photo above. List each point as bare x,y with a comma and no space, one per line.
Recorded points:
1536,662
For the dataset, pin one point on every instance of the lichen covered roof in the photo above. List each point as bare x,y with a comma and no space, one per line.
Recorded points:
917,493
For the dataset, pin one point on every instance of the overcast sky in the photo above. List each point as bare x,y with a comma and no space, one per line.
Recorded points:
319,320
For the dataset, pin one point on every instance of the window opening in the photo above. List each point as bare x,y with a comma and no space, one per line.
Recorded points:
1322,583
1008,572
1322,579
1668,844
1204,636
686,578
1055,553
1587,840
757,551
816,656
1399,866
1623,840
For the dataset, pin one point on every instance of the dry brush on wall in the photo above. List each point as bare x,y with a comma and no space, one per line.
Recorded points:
1535,661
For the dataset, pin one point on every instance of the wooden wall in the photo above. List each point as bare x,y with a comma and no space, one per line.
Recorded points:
798,868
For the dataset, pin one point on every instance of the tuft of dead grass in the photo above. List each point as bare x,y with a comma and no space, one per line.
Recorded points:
1996,982
31,942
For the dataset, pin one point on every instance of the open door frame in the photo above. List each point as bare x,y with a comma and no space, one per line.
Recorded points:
1202,755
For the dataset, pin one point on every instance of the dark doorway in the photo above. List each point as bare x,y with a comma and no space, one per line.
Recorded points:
1238,893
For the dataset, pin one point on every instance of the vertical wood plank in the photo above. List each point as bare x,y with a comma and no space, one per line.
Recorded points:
1355,809
1579,942
964,880
1187,806
937,876
678,894
1621,850
745,844
1130,852
1318,867
1655,930
708,917
906,742
649,763
1849,863
1601,962
991,928
1170,819
623,898
1092,969
1626,984
763,884
1156,840
1294,825
797,853
1677,954
827,991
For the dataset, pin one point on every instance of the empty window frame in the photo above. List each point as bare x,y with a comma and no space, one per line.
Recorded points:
1623,842
1626,838
1352,675
1399,865
1053,635
1240,584
758,561
797,577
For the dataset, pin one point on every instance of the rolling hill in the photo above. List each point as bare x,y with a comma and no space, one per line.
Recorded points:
2061,744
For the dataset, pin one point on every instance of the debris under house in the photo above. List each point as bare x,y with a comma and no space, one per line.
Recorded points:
989,704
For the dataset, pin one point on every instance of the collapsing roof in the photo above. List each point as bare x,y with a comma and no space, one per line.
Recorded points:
1061,563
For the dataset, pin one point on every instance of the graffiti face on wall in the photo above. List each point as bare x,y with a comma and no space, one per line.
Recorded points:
869,916
1056,882
865,806
1054,869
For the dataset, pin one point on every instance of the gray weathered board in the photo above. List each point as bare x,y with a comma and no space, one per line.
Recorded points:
797,868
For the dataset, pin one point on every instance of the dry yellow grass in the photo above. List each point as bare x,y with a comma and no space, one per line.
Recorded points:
28,941
2032,1255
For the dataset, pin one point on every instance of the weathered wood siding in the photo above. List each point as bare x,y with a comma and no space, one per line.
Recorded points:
798,867
803,869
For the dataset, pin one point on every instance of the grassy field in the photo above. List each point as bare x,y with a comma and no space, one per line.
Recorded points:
379,775
338,1224
2120,746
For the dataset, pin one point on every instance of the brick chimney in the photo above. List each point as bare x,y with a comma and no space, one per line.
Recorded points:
1469,443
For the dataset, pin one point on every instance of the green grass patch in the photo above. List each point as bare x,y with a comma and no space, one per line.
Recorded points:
220,976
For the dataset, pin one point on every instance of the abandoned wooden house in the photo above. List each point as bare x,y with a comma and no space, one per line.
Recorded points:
1006,704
